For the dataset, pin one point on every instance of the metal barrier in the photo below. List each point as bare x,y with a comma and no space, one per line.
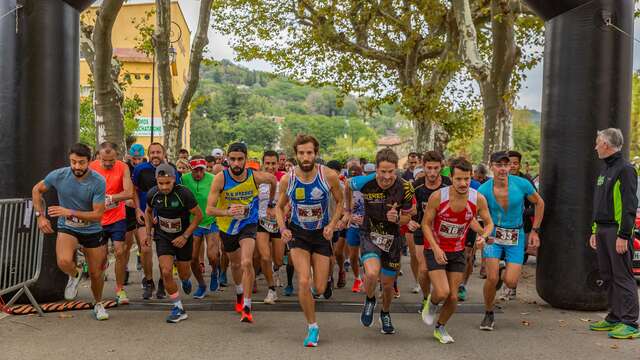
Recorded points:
20,249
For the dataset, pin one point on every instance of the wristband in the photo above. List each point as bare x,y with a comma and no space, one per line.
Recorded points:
282,230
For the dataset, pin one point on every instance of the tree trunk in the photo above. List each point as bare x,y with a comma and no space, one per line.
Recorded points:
108,97
498,124
175,114
430,136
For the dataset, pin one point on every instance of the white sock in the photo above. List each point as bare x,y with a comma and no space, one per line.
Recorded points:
247,302
239,289
178,304
314,325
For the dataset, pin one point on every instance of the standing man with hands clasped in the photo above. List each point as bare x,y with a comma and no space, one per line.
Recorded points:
614,211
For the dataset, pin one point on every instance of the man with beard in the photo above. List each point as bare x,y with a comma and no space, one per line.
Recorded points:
199,183
114,224
447,218
144,178
388,204
234,201
309,189
505,195
136,157
424,187
268,242
169,207
81,192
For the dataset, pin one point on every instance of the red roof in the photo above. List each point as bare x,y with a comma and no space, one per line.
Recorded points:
131,55
390,140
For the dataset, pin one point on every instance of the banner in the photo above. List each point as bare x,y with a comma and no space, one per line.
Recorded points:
144,126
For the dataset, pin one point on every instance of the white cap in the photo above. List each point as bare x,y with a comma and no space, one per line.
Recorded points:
417,171
217,152
369,168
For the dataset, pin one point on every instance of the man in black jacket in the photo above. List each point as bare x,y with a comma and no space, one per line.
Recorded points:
614,211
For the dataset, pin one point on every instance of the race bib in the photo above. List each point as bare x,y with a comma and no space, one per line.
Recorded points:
451,230
507,237
244,215
170,226
636,256
74,222
382,241
310,213
269,225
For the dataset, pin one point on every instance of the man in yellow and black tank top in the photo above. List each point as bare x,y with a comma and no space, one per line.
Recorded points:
233,200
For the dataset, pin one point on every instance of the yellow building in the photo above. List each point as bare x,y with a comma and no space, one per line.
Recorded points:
139,67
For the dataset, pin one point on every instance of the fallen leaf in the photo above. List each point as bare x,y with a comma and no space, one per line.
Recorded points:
562,323
613,346
525,323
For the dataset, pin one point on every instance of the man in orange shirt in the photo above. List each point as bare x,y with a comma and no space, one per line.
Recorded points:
119,189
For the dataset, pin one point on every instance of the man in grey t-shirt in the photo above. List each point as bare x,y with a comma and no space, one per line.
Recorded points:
81,193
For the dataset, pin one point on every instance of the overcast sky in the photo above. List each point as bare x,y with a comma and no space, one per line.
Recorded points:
530,95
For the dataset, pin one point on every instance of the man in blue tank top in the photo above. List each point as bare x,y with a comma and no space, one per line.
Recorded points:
308,189
505,196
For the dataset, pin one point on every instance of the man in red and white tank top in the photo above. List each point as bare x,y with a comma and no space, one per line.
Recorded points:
114,224
450,212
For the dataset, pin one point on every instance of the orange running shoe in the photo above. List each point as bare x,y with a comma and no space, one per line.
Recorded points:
246,315
357,286
239,303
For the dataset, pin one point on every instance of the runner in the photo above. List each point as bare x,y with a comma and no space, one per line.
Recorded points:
388,203
424,187
183,154
282,162
119,188
355,202
268,243
449,214
505,196
136,157
169,206
233,200
339,236
144,178
81,193
199,183
309,188
412,161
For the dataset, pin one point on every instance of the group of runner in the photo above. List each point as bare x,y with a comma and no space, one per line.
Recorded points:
294,212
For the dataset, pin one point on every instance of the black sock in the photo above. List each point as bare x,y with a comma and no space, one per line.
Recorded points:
290,275
373,298
489,312
382,312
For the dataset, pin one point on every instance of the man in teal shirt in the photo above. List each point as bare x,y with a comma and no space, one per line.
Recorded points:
199,182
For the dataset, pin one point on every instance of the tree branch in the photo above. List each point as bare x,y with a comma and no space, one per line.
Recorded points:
469,41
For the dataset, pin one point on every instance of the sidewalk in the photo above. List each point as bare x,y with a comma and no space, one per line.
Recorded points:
526,328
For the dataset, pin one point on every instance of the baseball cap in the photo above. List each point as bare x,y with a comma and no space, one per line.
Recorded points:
499,156
136,150
165,169
417,171
238,146
217,152
369,168
198,163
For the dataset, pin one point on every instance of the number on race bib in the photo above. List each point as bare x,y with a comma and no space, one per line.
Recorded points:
382,241
451,230
310,213
507,237
170,226
74,222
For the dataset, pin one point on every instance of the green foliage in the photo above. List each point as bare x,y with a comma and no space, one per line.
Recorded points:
131,108
635,116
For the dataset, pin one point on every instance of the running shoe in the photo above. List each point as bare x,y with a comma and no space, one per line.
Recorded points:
99,312
239,302
624,331
121,297
507,294
429,311
271,298
201,292
71,290
342,279
347,265
488,322
328,291
213,284
312,337
366,318
462,293
441,334
603,325
177,315
416,289
357,286
148,287
288,291
246,316
161,293
187,286
386,325
223,279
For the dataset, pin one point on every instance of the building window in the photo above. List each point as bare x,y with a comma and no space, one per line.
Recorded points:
147,76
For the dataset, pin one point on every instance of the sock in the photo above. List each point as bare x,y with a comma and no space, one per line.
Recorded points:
290,275
313,326
373,298
175,299
247,303
239,289
438,325
272,288
489,312
382,312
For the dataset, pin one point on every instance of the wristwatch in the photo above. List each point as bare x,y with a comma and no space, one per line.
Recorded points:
536,229
38,213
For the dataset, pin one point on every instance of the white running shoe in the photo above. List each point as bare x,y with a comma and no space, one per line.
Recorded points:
416,289
442,335
71,290
100,312
429,312
271,297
